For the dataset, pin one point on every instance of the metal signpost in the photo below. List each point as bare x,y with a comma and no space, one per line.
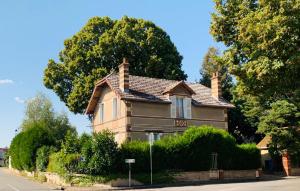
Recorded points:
129,161
151,140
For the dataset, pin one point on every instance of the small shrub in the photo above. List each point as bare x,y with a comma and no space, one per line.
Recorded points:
86,153
42,157
56,163
62,163
70,162
104,154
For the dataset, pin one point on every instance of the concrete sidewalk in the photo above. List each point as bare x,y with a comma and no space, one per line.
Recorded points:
263,184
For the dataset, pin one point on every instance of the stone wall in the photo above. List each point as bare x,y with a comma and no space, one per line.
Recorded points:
295,171
192,176
217,175
54,178
240,174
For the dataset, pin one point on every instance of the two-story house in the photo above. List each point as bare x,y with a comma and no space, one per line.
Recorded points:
132,106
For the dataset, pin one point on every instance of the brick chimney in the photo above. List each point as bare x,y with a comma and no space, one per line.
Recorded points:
216,88
124,75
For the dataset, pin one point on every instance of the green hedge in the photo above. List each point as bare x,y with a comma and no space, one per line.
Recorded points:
192,151
24,147
247,156
138,150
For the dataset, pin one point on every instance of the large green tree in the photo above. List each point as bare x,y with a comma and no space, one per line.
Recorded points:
39,112
99,46
281,122
263,40
212,62
238,124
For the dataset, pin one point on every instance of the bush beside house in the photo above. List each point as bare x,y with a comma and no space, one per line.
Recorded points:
25,145
99,155
192,151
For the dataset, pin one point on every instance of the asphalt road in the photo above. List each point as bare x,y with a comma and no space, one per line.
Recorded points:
285,184
9,182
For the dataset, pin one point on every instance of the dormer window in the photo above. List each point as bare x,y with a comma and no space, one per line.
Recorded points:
179,107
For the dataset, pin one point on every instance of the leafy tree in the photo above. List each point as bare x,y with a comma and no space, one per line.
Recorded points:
212,62
71,143
262,39
39,112
100,46
280,122
238,124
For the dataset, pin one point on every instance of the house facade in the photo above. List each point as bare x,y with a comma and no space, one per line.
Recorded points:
132,106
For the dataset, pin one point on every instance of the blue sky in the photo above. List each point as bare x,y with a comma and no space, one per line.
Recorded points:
33,31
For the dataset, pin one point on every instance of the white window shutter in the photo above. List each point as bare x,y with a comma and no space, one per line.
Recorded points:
101,109
119,107
173,106
187,108
114,109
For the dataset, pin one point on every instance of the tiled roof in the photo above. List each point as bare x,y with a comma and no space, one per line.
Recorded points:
152,90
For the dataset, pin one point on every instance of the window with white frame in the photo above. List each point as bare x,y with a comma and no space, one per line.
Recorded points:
114,109
179,107
156,136
153,136
101,112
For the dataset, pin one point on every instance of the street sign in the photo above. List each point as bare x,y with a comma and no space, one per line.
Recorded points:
129,160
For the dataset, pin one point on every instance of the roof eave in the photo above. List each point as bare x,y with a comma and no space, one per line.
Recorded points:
214,105
148,101
91,108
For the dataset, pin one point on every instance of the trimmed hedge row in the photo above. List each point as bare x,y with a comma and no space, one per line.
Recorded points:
99,154
24,147
192,151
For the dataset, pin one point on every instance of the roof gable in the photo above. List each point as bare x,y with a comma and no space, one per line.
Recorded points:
180,86
96,95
